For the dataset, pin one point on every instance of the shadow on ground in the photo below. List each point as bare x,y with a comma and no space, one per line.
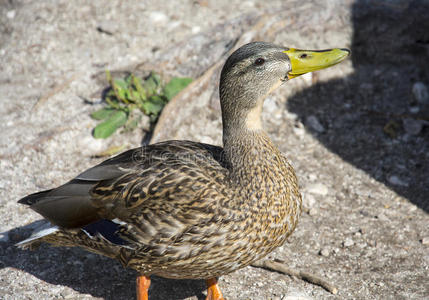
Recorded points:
365,114
88,273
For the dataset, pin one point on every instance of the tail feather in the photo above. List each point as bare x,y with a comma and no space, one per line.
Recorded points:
68,206
37,236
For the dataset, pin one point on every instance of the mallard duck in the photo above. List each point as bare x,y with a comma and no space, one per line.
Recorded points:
182,209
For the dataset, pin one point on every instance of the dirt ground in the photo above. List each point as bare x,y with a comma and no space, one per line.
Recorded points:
357,135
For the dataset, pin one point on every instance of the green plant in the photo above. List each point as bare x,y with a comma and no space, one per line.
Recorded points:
125,95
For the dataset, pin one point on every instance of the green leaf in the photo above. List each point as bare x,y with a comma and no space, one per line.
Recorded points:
122,94
175,85
135,96
138,85
108,127
129,79
102,114
152,83
154,105
120,83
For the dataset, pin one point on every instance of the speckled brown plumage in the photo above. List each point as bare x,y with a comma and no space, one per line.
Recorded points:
181,209
186,216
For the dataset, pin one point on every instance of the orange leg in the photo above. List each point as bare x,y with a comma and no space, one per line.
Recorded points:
213,291
143,283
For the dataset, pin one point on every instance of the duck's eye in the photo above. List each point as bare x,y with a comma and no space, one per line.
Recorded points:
259,61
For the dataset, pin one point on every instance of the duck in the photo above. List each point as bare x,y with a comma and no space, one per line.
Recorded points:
188,210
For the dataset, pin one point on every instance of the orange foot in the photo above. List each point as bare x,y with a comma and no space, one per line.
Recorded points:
143,284
213,291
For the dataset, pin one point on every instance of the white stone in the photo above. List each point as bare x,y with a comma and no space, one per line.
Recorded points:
318,189
325,252
158,17
297,296
348,242
11,14
196,29
382,217
299,131
308,200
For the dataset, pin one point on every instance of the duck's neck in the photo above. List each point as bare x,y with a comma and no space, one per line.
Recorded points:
245,142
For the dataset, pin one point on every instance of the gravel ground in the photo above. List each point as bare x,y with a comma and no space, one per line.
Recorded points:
357,135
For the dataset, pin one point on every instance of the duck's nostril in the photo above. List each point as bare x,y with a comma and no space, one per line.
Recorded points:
303,55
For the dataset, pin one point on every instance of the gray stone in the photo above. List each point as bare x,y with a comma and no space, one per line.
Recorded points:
395,180
315,124
420,92
414,109
412,126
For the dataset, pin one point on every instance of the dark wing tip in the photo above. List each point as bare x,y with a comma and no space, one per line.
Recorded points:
34,198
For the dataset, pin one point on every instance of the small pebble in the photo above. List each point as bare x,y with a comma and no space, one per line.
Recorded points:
11,14
414,109
348,242
297,296
420,92
298,131
313,211
315,124
425,240
383,217
396,181
158,17
312,177
372,243
412,126
318,189
308,200
324,252
196,29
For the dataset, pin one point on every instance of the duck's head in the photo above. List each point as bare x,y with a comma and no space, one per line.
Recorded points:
256,69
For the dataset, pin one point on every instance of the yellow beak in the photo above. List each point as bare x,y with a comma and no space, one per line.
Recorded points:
304,61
